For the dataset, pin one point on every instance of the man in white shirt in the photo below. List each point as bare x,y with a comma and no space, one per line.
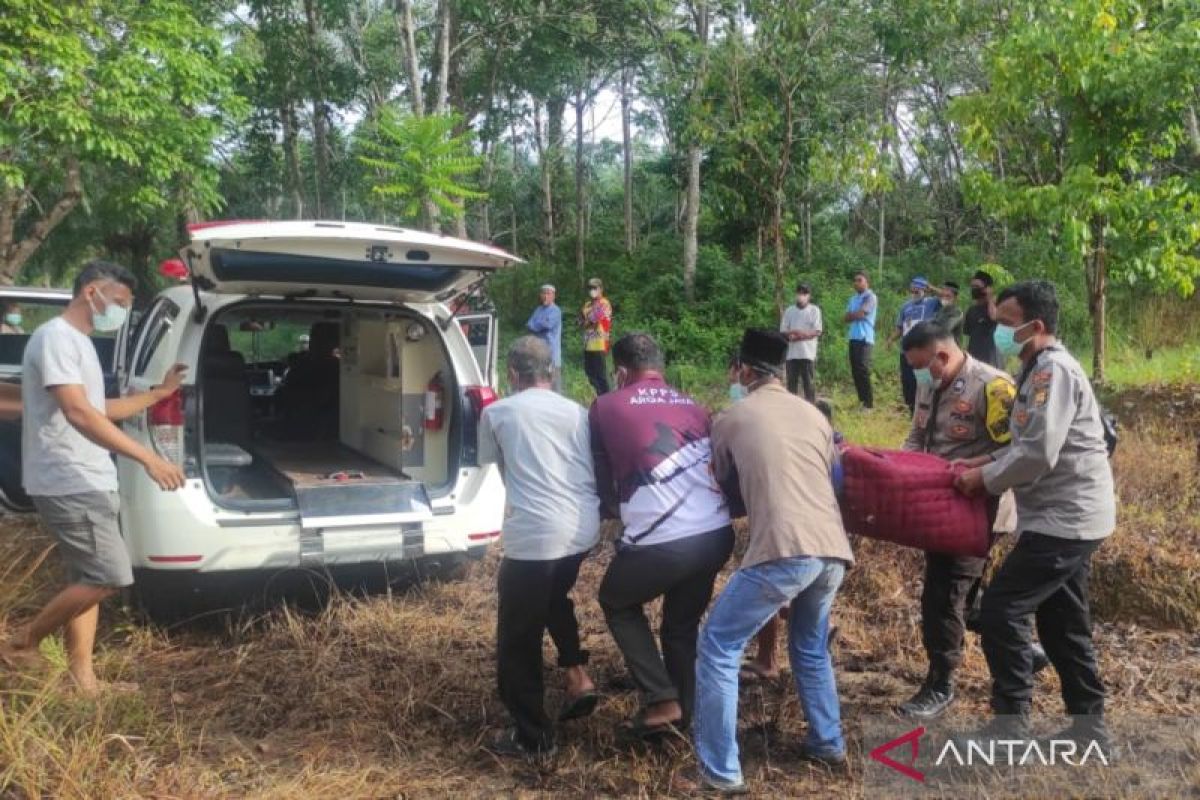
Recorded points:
541,442
802,326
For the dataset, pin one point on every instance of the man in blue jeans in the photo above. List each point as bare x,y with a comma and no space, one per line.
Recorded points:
774,454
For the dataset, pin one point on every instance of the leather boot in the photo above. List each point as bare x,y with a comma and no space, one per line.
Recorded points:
931,700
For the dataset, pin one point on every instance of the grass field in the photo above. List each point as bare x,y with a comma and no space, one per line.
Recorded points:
392,696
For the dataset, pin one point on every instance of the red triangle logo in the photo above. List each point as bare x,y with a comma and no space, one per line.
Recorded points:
913,740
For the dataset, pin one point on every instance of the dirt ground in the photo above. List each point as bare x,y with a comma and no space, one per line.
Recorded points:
393,696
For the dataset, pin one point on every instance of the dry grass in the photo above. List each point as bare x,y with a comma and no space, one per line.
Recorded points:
391,697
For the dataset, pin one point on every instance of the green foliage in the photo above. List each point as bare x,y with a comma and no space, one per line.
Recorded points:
417,161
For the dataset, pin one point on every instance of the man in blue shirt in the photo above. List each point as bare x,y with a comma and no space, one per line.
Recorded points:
860,313
918,308
546,323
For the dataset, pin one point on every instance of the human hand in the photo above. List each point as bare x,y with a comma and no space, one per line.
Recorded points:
168,476
970,482
173,380
969,463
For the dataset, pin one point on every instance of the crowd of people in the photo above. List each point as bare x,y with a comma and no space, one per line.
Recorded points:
649,455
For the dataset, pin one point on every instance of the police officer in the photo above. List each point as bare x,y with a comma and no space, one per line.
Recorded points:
1057,466
962,408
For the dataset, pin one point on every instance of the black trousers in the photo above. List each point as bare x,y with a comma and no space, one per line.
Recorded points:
534,597
860,368
1047,578
682,573
951,585
595,365
908,384
801,371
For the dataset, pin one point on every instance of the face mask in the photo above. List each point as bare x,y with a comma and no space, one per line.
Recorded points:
737,392
111,319
1005,337
924,376
13,319
594,293
978,293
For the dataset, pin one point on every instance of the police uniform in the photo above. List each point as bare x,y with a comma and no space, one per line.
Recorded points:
967,418
1057,466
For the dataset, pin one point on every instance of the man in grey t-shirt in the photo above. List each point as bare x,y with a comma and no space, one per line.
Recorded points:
802,327
551,521
67,438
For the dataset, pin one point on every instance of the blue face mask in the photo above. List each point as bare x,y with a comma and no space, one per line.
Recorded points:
924,376
1005,337
737,392
111,318
13,319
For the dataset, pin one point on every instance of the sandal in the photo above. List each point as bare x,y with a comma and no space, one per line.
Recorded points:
636,727
581,705
751,673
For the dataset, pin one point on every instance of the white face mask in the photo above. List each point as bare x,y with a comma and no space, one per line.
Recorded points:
111,318
594,293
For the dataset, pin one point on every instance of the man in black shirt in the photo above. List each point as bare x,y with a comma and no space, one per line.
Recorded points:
980,321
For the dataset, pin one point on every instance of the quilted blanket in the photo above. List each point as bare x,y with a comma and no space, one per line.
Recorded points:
909,499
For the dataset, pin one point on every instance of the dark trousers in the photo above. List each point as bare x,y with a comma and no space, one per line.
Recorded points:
534,597
800,371
1047,578
860,368
682,573
908,384
951,584
595,365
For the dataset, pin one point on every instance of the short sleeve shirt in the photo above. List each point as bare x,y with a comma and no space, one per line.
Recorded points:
914,311
980,329
863,330
542,442
56,459
796,318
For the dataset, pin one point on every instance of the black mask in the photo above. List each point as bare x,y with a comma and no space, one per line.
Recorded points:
978,292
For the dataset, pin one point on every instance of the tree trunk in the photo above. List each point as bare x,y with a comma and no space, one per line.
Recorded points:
516,174
545,168
291,160
780,254
627,159
320,140
1097,274
15,252
884,118
408,47
555,146
808,251
443,57
580,211
691,221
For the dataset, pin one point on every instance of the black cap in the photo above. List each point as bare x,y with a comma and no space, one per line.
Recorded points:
763,349
803,288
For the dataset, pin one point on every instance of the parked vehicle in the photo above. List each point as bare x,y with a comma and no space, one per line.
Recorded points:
350,453
34,306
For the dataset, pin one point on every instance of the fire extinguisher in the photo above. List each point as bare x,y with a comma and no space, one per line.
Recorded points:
435,406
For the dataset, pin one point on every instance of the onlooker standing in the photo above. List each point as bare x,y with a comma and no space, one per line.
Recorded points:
597,329
68,437
552,519
1057,466
776,453
979,322
917,308
652,451
546,323
802,326
860,313
949,316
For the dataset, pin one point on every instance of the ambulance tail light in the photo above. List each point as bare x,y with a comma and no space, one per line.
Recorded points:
166,423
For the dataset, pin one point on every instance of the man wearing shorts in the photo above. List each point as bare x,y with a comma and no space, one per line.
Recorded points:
68,436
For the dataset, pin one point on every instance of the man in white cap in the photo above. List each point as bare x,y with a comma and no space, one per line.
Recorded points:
546,323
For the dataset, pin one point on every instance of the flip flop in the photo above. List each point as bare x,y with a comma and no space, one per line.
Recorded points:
637,728
579,706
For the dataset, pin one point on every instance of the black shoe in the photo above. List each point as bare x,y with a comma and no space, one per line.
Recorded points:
1001,727
508,745
928,702
1040,659
833,761
1084,732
